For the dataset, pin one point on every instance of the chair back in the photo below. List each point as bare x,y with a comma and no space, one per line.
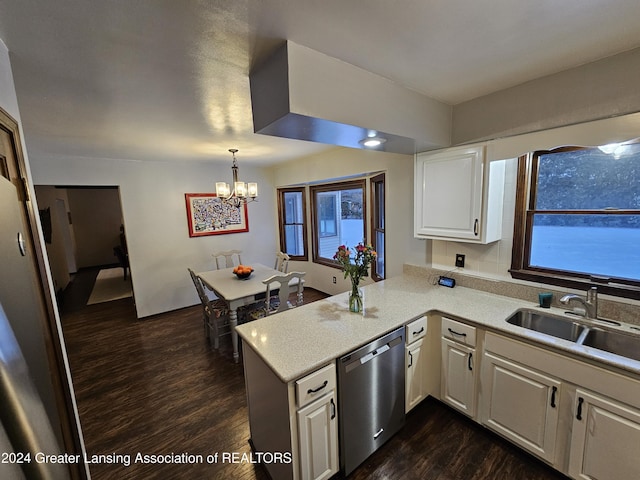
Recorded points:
282,262
282,284
227,259
199,288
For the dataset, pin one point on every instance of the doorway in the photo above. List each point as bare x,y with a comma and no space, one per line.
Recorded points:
25,293
87,237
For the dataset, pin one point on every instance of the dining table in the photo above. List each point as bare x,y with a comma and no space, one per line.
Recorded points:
237,292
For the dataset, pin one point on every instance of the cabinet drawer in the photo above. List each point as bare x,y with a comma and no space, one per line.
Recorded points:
315,385
416,330
459,332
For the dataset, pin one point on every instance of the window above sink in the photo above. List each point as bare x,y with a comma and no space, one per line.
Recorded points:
577,218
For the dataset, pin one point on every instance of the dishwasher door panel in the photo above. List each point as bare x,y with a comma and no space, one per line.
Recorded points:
371,386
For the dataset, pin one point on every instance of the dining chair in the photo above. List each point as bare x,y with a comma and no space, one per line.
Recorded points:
215,313
282,262
284,288
228,259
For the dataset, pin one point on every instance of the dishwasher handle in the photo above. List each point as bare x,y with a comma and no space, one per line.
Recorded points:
376,353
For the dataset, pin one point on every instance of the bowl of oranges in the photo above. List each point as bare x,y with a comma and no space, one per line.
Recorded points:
243,271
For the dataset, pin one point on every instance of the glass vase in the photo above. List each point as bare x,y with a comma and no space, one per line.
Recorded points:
356,299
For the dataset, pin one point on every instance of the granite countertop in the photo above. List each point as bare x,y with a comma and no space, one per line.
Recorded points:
298,341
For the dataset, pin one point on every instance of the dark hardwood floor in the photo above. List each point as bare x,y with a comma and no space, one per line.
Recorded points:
155,387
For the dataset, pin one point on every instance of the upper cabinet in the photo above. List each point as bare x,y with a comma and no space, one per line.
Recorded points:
458,196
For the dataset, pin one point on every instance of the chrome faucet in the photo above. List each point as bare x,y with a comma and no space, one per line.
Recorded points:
590,303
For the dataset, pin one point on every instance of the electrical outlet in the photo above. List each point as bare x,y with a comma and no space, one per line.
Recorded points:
334,279
459,260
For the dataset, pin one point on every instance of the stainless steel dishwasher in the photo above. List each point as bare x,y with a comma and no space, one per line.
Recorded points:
371,382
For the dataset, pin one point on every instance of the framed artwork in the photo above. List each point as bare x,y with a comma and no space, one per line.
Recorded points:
209,215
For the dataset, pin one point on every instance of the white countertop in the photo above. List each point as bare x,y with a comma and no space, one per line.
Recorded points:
300,340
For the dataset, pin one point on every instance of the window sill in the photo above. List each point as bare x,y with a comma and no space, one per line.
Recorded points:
614,289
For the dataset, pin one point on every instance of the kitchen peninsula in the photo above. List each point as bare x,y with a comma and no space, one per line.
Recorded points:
282,351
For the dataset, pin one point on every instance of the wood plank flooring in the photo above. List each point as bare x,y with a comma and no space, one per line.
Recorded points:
155,387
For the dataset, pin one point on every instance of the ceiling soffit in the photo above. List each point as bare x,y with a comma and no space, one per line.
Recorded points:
303,94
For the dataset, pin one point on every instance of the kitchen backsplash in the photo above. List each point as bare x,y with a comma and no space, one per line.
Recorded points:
607,308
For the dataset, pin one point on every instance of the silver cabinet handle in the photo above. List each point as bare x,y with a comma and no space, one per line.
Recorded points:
378,433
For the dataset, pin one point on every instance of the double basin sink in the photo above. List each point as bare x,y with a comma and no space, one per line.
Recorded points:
589,335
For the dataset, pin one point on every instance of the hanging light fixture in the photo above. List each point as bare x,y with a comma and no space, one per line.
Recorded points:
242,192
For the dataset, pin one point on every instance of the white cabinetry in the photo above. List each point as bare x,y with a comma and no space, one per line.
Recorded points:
458,380
521,404
561,410
416,362
605,439
458,196
318,424
299,417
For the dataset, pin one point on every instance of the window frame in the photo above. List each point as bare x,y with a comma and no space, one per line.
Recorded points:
378,226
526,189
346,185
282,224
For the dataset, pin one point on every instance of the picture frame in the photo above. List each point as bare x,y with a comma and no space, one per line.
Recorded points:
209,215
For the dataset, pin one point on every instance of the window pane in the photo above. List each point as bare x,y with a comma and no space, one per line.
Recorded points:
293,207
340,220
589,179
292,217
379,206
294,239
380,251
328,224
604,245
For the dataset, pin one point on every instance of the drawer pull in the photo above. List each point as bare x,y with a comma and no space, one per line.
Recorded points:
316,390
554,390
453,332
418,332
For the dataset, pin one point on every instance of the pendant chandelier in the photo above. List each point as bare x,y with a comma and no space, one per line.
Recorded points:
242,193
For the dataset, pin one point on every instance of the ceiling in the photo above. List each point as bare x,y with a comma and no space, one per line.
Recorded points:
169,80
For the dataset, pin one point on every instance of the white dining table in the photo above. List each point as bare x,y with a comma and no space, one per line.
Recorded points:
238,292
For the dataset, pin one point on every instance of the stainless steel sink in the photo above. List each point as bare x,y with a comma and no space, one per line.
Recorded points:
549,324
613,342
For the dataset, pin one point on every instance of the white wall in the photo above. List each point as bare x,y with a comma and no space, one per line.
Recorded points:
345,162
154,212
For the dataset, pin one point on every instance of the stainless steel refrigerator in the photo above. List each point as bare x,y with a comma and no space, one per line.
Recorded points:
26,436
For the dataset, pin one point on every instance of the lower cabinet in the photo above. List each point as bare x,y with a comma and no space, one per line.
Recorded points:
417,363
521,404
318,438
459,378
605,439
297,418
415,390
556,408
317,420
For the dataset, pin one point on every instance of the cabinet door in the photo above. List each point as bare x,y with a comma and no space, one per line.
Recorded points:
448,194
521,404
318,434
605,439
459,376
416,368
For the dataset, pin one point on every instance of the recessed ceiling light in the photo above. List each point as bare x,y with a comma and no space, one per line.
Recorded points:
372,142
